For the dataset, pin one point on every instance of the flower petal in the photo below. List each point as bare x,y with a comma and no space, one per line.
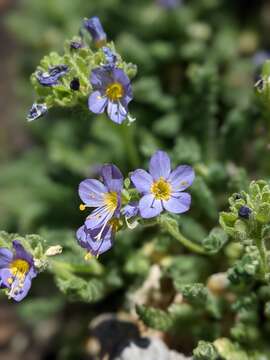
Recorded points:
142,180
160,165
5,257
98,218
91,192
120,76
97,247
21,253
181,178
97,102
23,290
112,177
87,239
149,207
116,112
178,205
100,78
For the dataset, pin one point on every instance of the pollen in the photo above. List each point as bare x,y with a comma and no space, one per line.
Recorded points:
82,207
19,268
114,91
88,256
111,201
161,189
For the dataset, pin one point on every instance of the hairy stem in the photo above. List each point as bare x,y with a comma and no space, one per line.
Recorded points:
175,232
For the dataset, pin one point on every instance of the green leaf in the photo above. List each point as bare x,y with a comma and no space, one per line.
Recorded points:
155,318
215,240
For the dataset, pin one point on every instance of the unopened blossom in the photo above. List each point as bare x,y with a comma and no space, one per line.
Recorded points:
16,271
111,91
37,111
131,210
104,196
94,27
110,57
75,84
52,76
162,188
92,243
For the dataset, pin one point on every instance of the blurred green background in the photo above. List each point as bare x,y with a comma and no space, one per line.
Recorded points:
193,97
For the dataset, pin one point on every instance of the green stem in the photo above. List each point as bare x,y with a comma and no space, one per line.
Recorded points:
131,148
175,232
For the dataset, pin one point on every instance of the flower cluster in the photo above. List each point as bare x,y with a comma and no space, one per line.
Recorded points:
97,76
153,192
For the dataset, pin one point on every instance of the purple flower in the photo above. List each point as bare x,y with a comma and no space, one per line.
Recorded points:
112,90
93,25
87,238
104,196
131,210
169,4
53,75
36,111
16,270
163,188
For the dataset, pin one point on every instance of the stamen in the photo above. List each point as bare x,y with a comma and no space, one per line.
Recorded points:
82,207
111,201
161,189
115,91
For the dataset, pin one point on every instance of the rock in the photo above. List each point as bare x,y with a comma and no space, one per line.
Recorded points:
148,349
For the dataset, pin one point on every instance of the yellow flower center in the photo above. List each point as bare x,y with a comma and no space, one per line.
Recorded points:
114,91
161,189
19,268
111,201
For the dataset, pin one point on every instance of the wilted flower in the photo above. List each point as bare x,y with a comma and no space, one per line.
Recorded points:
93,25
87,238
112,90
36,111
105,196
53,75
16,270
75,45
162,188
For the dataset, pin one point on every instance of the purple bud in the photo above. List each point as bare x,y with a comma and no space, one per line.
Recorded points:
94,27
244,212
